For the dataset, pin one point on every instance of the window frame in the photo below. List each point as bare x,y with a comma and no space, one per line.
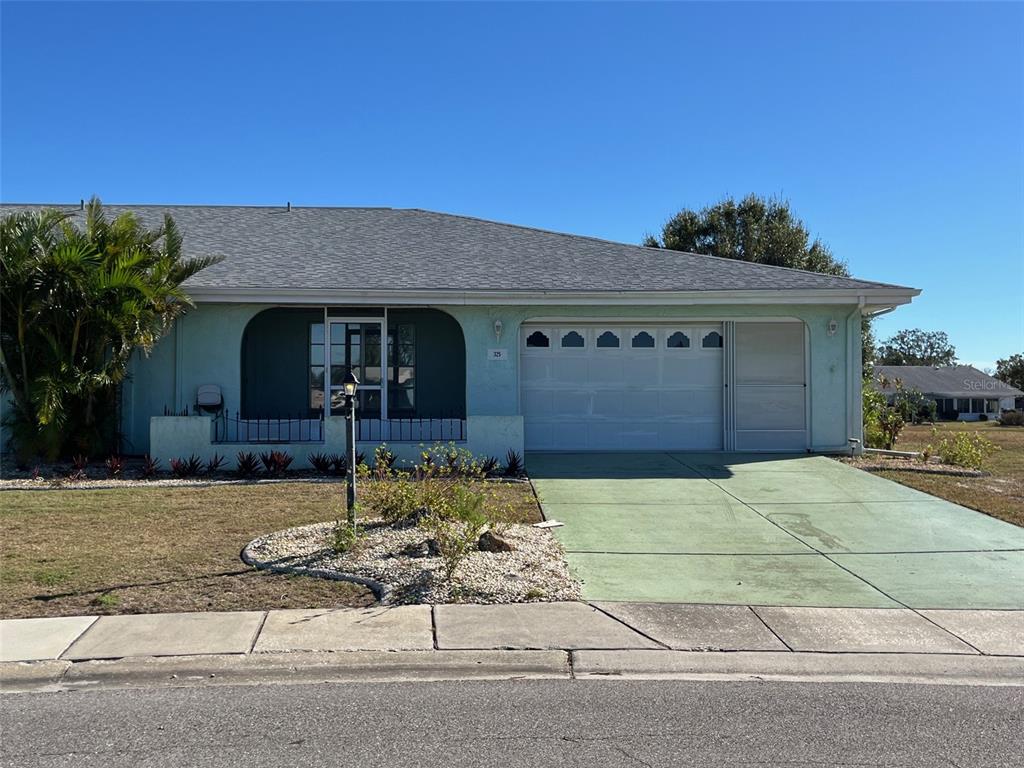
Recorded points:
616,334
563,333
652,333
689,340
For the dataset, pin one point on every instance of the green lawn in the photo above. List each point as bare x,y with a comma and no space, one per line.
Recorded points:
1001,494
156,549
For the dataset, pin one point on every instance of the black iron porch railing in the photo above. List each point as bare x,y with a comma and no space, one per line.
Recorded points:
281,429
419,429
289,429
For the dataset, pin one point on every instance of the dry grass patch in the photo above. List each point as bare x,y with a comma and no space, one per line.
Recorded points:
1001,494
147,550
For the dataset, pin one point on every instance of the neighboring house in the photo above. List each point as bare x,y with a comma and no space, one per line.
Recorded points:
960,392
493,335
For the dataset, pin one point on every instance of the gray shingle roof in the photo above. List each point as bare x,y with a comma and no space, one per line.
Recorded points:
409,249
951,381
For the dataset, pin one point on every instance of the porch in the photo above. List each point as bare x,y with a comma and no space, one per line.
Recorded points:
286,389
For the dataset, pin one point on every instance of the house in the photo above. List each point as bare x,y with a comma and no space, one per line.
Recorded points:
960,392
493,335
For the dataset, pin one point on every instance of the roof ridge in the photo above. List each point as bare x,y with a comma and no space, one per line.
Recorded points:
754,264
249,206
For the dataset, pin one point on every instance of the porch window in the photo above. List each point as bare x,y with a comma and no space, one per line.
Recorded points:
402,368
316,366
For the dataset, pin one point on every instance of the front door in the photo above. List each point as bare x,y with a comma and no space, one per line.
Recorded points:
356,345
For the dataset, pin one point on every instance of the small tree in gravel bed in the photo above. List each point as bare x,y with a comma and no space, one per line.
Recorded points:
457,526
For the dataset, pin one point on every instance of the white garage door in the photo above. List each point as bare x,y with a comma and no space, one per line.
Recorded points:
602,387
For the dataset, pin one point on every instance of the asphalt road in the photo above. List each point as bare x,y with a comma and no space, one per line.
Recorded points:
528,723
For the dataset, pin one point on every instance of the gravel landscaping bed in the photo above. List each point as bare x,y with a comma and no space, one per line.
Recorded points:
535,571
897,464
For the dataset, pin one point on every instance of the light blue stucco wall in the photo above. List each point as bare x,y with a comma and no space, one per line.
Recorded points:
205,349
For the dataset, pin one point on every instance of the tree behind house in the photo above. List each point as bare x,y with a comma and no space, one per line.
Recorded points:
917,347
756,229
75,303
1011,371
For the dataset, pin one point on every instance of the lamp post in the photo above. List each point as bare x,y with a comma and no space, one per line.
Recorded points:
350,384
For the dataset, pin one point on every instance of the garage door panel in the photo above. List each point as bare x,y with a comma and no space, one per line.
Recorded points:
771,440
770,407
697,404
695,368
538,402
534,369
568,367
642,371
605,368
769,353
679,436
571,403
609,404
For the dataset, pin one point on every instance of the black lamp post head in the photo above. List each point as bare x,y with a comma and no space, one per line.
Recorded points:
350,383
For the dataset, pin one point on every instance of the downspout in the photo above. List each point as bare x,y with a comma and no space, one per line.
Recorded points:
853,431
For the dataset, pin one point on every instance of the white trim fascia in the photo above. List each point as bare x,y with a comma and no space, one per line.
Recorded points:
873,297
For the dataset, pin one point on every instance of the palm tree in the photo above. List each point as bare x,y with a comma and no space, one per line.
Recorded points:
75,303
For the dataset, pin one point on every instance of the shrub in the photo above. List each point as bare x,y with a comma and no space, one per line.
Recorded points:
457,529
150,466
320,462
344,537
449,460
982,417
339,463
190,467
248,464
883,423
964,449
215,463
276,462
114,465
79,462
489,466
383,457
513,464
1011,419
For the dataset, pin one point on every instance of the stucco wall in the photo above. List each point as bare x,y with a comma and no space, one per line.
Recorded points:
174,437
205,349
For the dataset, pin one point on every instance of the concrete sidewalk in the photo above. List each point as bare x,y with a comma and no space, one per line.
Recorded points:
516,640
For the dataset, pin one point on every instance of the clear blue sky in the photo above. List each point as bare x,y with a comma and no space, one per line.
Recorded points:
896,131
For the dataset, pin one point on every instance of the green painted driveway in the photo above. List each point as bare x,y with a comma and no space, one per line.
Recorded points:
760,529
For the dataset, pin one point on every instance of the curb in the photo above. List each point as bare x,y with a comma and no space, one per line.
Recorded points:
579,666
283,668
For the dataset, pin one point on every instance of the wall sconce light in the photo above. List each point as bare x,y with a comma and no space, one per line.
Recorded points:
833,326
497,329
